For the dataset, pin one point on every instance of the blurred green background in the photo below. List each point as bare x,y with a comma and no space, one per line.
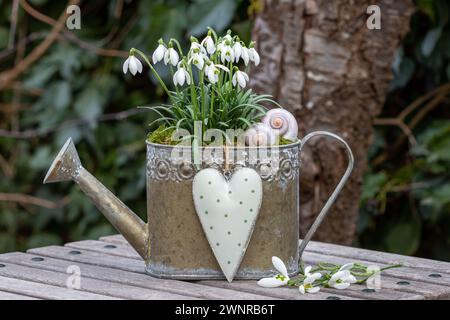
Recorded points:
72,91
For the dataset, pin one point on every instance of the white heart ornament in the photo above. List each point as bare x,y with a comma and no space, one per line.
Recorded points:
227,211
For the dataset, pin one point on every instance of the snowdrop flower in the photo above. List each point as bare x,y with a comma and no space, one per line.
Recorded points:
212,72
228,37
226,52
278,280
171,56
133,64
240,78
159,53
316,275
237,49
208,42
253,55
245,55
341,280
180,76
307,286
197,48
197,60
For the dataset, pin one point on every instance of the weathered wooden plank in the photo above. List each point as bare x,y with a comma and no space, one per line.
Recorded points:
128,278
400,279
391,290
124,249
92,258
114,238
87,284
135,265
434,267
14,296
116,249
44,291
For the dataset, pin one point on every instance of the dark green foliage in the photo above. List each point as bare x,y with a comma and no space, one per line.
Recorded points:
76,84
405,206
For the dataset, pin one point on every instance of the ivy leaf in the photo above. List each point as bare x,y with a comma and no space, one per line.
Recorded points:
403,238
89,103
407,67
61,94
430,41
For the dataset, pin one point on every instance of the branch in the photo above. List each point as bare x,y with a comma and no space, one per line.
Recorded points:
10,75
71,36
12,30
399,123
30,38
27,199
32,133
437,96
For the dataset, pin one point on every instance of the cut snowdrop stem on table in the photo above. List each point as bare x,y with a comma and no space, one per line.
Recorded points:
327,275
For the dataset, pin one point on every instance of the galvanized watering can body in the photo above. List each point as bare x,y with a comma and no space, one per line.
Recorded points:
172,242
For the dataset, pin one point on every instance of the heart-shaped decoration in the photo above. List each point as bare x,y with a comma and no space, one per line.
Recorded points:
227,211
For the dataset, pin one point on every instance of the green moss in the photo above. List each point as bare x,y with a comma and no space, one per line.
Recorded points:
284,141
162,135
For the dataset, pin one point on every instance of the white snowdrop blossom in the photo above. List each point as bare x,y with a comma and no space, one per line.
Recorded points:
212,72
226,53
208,42
341,280
159,53
307,286
197,60
171,56
278,280
254,56
307,273
197,48
245,55
237,49
227,37
133,64
240,78
338,277
180,76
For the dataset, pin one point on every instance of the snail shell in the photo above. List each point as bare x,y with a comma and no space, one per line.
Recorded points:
260,135
282,122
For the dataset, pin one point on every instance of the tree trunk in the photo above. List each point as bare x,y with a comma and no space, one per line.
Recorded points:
320,61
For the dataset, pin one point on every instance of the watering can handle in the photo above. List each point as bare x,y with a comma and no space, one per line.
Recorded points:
336,191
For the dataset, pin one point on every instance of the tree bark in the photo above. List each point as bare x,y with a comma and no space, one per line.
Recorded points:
321,62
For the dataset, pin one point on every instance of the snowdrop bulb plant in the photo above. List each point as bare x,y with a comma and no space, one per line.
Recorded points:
209,83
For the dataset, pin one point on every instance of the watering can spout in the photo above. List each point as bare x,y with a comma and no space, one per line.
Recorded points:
67,166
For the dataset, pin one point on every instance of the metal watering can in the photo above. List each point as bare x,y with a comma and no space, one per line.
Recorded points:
172,242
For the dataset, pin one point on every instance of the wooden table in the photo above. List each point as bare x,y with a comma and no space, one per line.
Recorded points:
111,269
